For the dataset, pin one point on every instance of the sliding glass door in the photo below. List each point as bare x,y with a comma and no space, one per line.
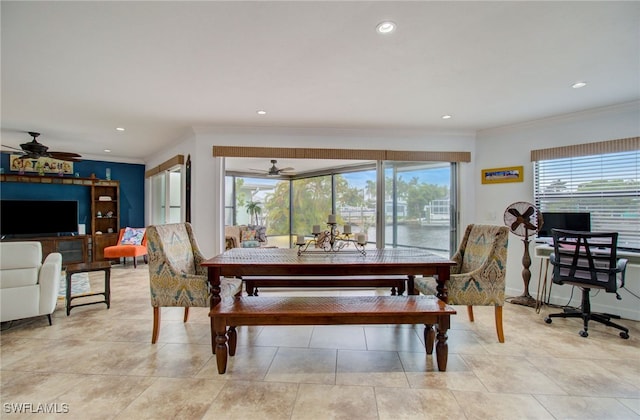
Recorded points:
419,206
166,197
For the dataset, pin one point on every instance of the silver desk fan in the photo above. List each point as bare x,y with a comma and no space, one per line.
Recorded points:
524,220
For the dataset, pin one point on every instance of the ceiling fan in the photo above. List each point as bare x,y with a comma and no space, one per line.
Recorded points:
274,170
35,150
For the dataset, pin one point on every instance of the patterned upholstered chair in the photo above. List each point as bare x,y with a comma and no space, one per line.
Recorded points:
478,278
175,275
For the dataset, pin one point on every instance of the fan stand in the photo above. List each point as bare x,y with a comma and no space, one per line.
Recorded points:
525,299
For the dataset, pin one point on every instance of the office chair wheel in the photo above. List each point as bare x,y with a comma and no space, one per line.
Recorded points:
583,333
547,320
624,335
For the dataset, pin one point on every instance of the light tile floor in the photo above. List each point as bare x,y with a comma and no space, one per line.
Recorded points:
100,364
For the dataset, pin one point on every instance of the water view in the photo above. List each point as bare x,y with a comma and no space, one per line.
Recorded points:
432,238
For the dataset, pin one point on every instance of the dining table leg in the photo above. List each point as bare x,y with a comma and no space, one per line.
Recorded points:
441,279
213,274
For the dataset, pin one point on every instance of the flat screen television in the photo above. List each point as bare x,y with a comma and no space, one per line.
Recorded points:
566,221
22,218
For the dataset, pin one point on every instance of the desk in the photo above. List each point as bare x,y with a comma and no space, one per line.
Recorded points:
543,252
238,262
72,269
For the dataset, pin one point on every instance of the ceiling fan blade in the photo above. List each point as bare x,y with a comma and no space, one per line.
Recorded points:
258,170
69,159
11,147
68,156
287,169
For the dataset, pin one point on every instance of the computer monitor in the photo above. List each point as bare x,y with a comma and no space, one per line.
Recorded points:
566,221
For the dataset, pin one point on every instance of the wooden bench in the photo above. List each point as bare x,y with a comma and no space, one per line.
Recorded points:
397,283
329,310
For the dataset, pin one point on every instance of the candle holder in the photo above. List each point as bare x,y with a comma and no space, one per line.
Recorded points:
331,240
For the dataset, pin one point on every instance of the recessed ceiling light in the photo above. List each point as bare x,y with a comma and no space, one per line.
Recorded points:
386,27
578,85
261,112
446,117
119,128
107,150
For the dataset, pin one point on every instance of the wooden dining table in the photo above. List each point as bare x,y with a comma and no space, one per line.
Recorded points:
239,262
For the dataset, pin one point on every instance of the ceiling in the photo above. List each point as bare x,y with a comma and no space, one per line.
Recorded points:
75,71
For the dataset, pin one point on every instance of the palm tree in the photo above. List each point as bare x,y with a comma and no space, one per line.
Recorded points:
254,209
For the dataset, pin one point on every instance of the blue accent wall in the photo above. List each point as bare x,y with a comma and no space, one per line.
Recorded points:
131,177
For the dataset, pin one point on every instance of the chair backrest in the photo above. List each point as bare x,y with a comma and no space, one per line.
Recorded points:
20,263
479,243
585,258
172,244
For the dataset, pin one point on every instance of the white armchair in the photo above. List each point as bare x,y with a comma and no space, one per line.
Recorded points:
28,287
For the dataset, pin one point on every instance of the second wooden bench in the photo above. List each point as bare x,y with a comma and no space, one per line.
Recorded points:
397,283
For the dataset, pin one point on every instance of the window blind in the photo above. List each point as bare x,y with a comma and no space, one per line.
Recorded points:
606,185
356,154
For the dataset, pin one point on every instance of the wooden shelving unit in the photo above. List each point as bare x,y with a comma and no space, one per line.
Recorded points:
104,228
105,216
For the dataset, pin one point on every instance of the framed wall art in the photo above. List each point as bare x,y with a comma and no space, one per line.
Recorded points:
43,165
500,175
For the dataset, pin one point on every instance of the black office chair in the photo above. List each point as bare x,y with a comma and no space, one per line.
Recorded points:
588,260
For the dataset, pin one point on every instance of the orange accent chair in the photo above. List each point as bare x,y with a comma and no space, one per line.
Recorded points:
121,250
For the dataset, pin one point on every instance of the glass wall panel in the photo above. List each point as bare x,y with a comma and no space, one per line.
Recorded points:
259,201
277,214
229,203
311,203
418,209
356,202
418,205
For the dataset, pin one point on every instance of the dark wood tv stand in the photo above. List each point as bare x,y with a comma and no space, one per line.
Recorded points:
74,249
103,229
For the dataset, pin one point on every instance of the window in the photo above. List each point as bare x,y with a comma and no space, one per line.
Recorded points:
356,202
415,208
419,204
167,191
259,201
606,185
166,196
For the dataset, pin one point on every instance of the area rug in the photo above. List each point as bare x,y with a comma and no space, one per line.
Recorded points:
79,284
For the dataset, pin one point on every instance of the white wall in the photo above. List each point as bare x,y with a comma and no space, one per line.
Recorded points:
511,146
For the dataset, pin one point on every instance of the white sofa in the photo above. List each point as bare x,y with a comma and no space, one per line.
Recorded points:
28,287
